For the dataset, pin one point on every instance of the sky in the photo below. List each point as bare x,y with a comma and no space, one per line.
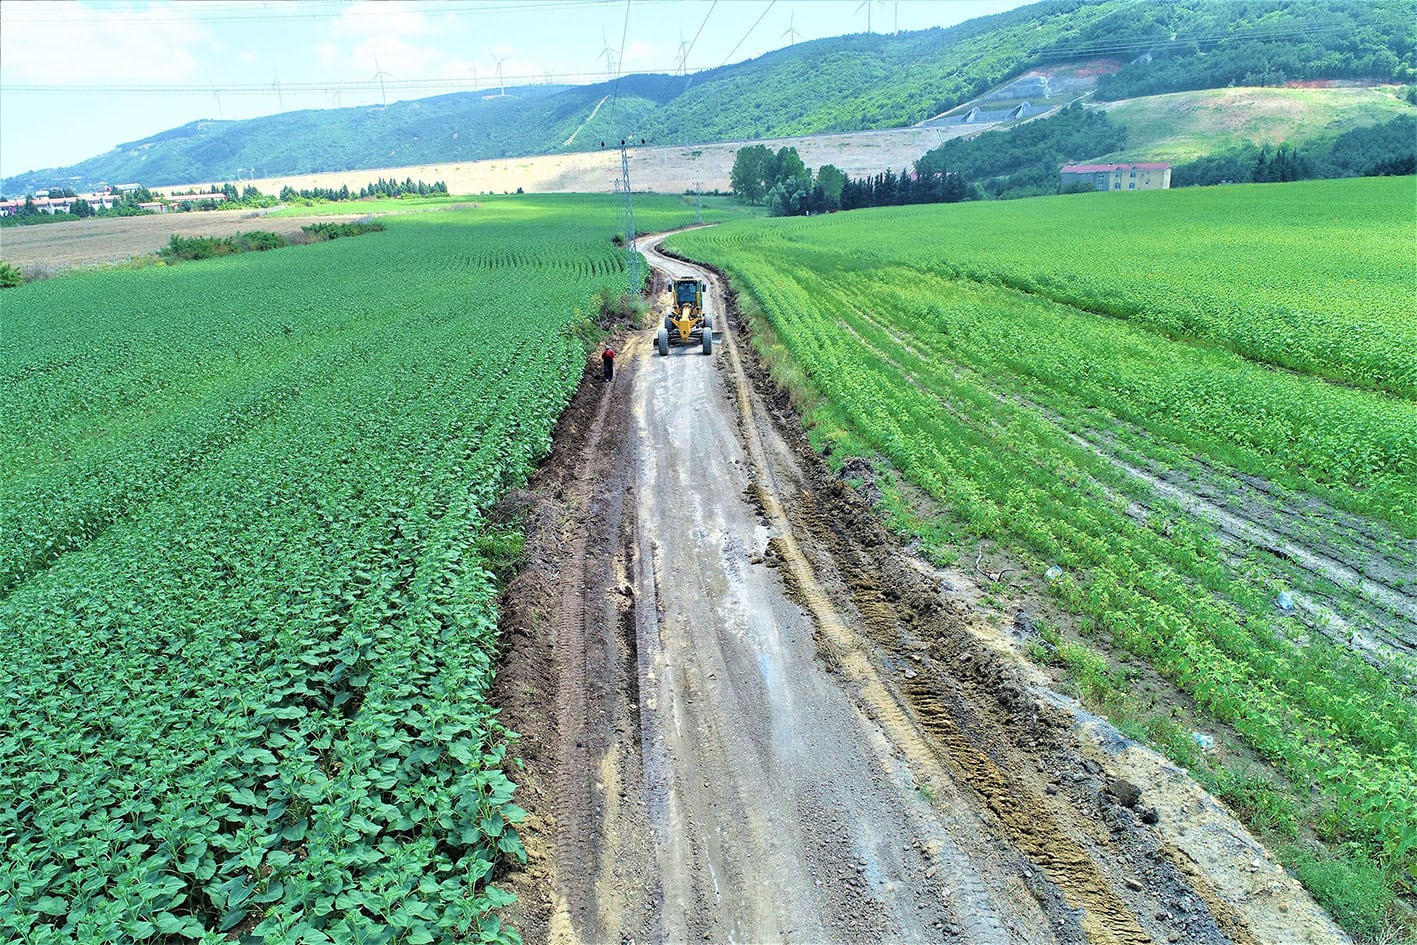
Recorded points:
78,78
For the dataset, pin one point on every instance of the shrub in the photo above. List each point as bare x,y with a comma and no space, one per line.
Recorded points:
10,276
319,232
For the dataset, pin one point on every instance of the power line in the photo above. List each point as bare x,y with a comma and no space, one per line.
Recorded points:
619,65
339,10
695,40
324,88
747,34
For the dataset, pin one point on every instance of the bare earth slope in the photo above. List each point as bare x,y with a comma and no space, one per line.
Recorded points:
748,715
657,169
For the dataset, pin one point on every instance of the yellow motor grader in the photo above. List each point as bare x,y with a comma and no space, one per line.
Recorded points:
686,323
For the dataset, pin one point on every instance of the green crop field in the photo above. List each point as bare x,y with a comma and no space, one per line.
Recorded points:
246,615
1193,405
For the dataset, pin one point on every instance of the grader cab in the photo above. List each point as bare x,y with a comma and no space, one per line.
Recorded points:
686,323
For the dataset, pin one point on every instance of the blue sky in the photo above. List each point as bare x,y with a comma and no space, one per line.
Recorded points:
77,78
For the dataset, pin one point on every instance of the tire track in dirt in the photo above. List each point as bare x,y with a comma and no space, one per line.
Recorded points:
1198,847
769,726
1106,918
588,805
570,683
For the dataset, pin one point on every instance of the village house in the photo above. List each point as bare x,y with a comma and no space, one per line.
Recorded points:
47,204
1155,176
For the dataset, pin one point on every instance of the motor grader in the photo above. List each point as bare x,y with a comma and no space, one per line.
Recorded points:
686,323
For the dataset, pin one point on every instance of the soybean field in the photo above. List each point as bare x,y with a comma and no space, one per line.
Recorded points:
1187,417
247,602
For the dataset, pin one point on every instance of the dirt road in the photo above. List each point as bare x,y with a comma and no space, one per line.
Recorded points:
750,716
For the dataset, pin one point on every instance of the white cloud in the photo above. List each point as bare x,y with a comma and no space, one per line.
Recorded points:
381,18
394,56
329,55
641,55
108,44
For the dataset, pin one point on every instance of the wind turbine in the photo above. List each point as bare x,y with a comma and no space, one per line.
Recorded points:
609,55
500,83
683,53
216,93
791,31
380,74
867,5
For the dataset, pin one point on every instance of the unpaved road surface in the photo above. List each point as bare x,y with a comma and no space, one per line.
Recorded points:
749,716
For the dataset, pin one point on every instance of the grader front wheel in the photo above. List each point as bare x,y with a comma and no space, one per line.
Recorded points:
663,341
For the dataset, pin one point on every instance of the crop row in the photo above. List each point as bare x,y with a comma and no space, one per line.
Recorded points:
1317,277
249,634
937,376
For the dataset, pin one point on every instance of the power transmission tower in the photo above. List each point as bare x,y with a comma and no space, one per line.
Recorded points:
625,222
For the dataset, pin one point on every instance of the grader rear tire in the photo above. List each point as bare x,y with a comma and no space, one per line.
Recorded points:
708,341
663,341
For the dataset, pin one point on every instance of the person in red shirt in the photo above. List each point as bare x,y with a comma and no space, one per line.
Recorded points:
607,361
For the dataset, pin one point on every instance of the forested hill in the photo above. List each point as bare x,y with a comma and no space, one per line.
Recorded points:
863,81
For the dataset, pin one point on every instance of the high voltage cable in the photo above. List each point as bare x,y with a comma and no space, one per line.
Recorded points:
619,65
1101,47
747,34
331,14
695,40
255,88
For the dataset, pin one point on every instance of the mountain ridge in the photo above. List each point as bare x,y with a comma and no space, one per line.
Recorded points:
862,81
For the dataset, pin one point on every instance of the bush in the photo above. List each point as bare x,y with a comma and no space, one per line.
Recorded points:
10,276
319,232
619,308
210,247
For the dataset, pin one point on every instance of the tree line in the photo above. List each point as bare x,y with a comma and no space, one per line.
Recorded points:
380,188
1026,162
1382,150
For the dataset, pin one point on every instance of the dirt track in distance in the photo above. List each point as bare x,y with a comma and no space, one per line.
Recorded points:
749,715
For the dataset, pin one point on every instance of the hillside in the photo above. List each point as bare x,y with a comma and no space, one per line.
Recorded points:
1182,126
847,83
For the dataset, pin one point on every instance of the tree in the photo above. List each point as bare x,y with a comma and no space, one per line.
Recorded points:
750,168
831,179
81,208
787,198
787,164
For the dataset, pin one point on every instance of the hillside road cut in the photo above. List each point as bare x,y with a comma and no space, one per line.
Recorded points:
747,717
